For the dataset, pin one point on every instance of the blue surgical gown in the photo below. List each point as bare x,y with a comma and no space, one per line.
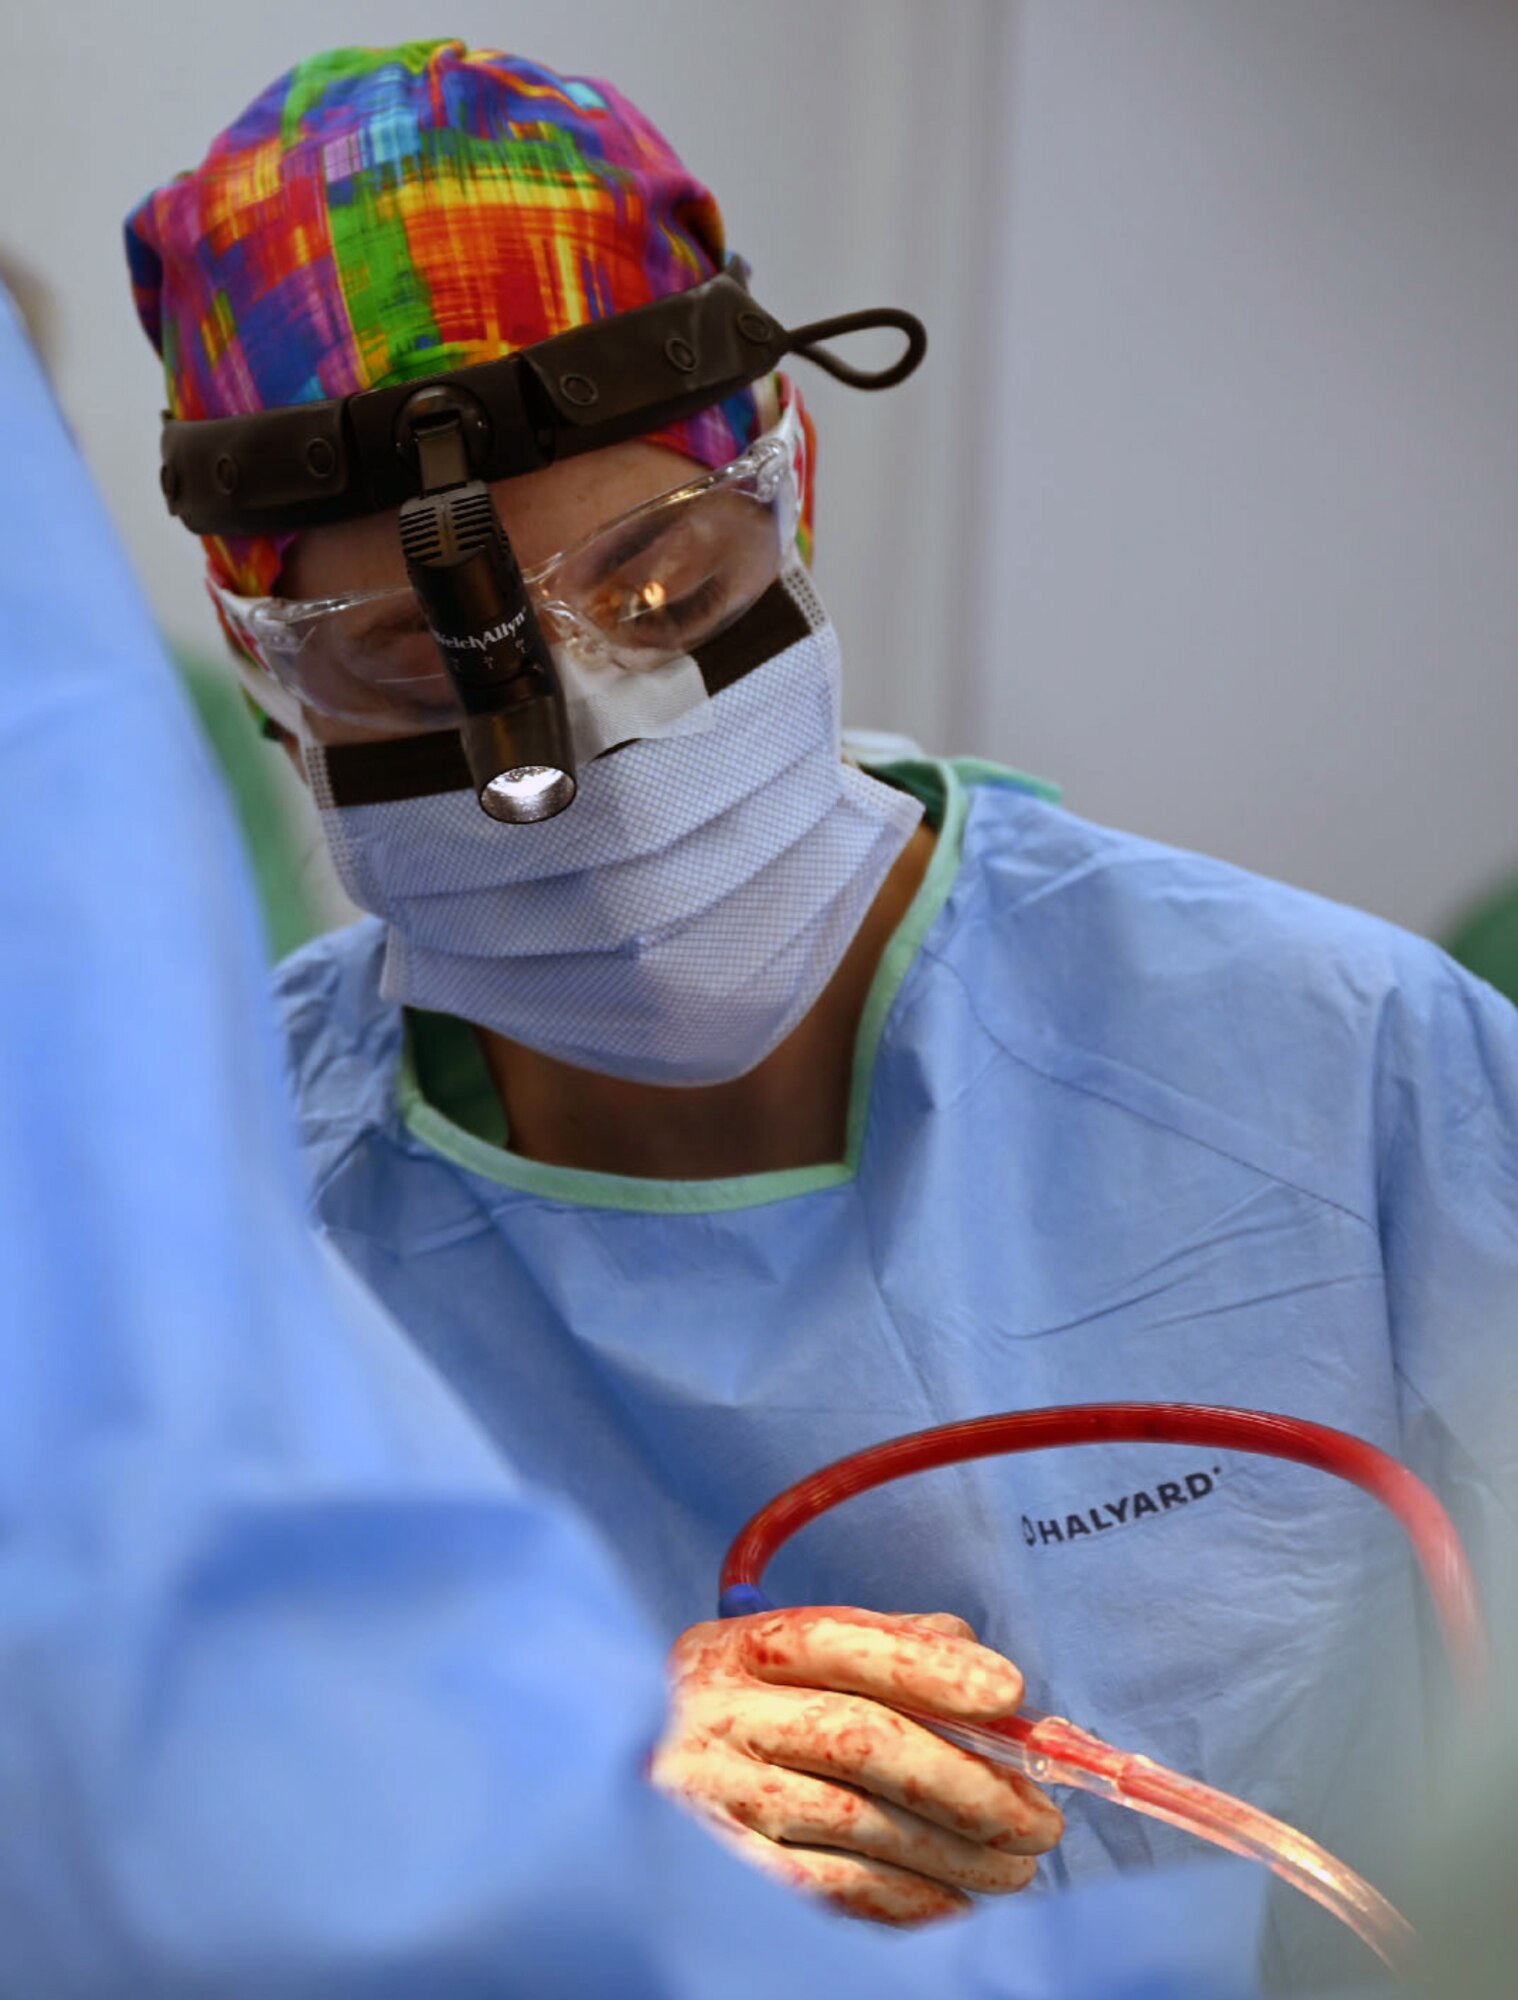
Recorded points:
1126,1123
303,1691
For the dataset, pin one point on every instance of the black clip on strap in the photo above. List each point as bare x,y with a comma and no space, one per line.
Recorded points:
431,424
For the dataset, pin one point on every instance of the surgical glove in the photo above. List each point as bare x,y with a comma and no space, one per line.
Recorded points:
779,1738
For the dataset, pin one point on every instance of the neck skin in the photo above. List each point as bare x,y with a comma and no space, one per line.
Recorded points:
790,1111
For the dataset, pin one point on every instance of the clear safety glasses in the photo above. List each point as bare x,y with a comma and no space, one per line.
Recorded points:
640,593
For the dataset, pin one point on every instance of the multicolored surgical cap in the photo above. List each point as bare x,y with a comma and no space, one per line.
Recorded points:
383,214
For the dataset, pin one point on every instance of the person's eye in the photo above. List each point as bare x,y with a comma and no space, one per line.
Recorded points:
693,606
661,568
652,614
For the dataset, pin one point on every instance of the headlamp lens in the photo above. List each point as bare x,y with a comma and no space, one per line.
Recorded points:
532,791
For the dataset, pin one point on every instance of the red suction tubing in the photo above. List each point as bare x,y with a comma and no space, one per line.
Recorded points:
1054,1750
1428,1526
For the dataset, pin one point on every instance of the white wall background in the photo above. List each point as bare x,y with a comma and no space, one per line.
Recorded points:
1253,546
1206,501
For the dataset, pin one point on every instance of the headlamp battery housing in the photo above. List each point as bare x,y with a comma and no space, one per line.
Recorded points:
461,565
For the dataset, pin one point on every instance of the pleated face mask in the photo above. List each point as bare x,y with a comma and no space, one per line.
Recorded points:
678,923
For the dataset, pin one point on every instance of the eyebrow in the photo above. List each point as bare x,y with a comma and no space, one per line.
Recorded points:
632,541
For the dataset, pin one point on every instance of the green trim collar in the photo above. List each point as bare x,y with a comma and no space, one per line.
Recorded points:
448,1101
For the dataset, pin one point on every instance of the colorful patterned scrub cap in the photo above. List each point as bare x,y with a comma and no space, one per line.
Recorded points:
378,215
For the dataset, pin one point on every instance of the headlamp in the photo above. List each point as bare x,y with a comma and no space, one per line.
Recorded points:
514,729
432,449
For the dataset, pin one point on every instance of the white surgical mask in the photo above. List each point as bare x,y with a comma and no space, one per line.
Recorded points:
680,918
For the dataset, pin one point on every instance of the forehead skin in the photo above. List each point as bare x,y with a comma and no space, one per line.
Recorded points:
542,512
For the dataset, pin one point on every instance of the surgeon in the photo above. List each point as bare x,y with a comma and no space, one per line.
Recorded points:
303,1692
705,1105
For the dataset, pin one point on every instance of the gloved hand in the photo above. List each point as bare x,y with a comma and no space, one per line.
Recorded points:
777,1735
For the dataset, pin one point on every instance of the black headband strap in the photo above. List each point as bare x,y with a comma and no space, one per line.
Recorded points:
803,340
596,385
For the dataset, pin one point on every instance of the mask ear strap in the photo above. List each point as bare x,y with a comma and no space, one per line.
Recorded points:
803,340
